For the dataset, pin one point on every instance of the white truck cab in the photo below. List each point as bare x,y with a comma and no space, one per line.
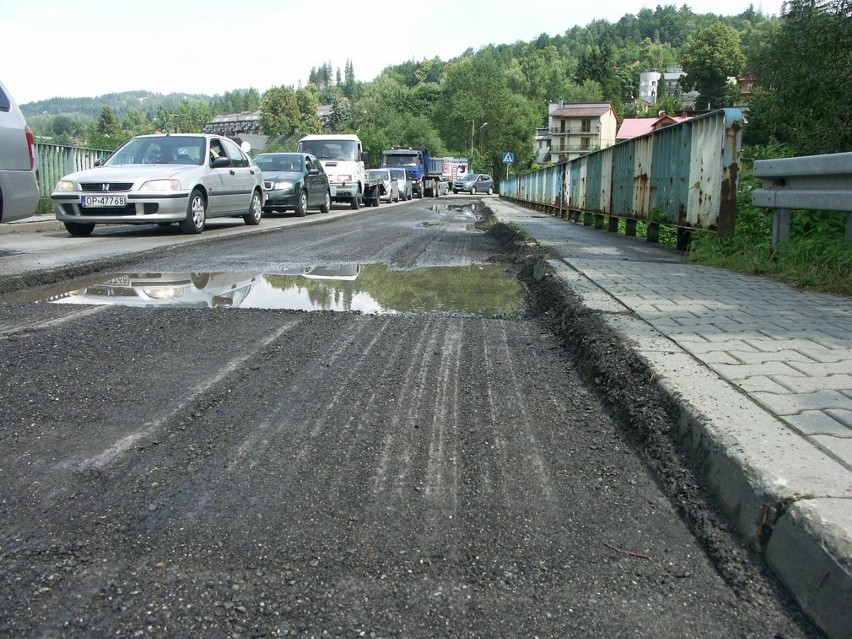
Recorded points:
344,160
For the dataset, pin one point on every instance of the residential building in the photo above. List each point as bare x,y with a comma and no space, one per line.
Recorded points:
576,128
542,145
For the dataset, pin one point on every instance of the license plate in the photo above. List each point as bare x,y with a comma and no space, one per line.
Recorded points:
102,201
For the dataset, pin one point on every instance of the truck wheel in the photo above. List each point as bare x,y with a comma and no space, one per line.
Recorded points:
420,192
356,201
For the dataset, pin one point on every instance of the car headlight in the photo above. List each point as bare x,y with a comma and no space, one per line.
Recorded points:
166,293
161,185
283,185
64,186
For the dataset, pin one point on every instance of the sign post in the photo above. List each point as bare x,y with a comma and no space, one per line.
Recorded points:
508,158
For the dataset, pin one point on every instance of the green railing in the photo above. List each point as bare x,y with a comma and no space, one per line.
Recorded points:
55,160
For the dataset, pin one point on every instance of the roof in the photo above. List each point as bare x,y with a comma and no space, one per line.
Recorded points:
581,112
634,127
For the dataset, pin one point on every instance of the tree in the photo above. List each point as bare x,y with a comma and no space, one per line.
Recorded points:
709,59
804,80
279,111
105,132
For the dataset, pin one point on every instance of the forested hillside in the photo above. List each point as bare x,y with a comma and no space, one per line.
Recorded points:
437,103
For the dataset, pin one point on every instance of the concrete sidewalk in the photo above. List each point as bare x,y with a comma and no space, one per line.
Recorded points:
763,375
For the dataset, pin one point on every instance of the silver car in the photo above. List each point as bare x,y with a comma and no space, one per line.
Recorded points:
18,186
163,178
404,184
389,189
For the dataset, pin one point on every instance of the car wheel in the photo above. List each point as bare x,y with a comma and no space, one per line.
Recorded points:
196,213
456,191
326,207
302,204
79,230
490,191
473,190
252,218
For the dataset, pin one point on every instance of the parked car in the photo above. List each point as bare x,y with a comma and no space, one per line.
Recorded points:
406,192
163,178
18,185
389,189
474,183
294,182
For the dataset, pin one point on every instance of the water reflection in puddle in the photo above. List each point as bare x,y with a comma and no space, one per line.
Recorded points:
480,290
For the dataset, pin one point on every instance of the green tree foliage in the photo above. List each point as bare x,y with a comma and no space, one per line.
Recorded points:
280,112
105,132
804,99
709,59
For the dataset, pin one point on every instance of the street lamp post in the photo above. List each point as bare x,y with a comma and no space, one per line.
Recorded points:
484,124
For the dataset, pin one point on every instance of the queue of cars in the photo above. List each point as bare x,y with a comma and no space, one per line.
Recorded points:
175,178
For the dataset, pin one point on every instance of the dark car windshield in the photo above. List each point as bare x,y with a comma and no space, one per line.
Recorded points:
159,149
279,162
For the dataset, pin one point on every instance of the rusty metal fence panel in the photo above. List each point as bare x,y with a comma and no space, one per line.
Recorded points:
684,175
53,161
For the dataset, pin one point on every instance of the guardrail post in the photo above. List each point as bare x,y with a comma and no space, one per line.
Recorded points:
781,225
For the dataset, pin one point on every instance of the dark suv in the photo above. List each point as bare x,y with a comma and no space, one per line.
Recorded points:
474,183
18,187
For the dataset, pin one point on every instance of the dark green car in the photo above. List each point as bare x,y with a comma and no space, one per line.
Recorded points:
293,182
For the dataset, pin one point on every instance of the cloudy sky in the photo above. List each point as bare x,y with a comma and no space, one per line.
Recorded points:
86,48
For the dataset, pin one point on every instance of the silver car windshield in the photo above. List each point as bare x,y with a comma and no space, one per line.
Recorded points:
160,150
399,174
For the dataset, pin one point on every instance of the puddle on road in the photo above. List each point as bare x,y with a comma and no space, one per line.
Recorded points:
478,290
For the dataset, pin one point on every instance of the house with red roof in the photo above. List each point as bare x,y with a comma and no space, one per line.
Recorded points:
634,127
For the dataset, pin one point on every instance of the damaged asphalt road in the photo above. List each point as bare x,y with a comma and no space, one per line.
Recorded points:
251,472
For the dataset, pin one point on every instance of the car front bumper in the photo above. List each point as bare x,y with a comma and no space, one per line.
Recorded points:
140,209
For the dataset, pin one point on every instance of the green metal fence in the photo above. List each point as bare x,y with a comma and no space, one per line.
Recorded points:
55,160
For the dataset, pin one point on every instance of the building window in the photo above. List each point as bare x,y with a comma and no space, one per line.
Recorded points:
586,126
585,144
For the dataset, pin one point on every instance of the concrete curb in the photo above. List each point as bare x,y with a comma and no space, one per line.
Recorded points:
36,224
754,465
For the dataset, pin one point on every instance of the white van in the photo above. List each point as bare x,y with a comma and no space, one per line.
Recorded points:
344,160
18,186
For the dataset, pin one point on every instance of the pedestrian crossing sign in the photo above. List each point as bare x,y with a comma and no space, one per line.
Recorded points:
508,157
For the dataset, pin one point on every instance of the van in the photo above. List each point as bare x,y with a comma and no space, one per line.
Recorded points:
18,185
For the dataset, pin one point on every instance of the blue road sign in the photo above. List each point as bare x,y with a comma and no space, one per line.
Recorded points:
508,157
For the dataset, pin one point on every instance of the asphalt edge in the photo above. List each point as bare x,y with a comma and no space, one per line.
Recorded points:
798,538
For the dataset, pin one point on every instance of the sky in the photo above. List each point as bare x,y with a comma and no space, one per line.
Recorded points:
87,48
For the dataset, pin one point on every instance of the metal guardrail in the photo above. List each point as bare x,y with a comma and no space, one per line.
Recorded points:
814,183
684,175
55,160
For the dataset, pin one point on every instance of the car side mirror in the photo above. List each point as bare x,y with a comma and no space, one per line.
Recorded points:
220,162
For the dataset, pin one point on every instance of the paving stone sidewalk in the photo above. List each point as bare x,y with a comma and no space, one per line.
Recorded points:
763,375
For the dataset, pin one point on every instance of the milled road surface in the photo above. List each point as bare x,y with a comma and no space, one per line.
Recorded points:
241,472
